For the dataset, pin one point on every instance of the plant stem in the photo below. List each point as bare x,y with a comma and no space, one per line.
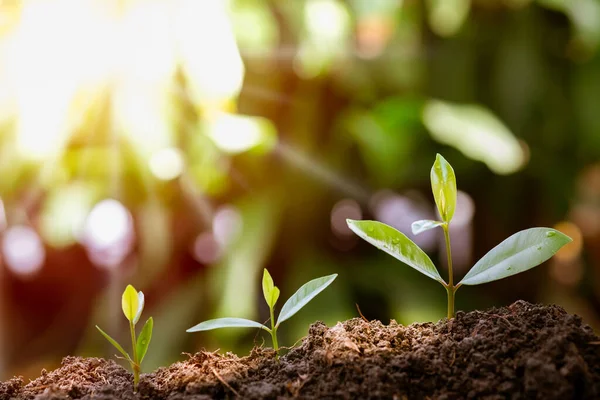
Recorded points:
450,288
136,365
274,331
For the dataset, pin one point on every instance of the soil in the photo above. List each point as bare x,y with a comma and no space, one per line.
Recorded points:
523,351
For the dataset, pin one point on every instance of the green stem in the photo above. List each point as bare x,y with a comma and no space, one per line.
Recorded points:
136,364
274,331
450,288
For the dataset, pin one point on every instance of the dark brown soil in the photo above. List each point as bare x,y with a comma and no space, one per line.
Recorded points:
523,351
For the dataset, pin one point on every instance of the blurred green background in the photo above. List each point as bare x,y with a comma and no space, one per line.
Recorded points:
184,145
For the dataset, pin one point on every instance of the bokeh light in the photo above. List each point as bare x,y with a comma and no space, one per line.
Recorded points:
23,250
206,249
227,225
167,164
401,211
341,211
108,233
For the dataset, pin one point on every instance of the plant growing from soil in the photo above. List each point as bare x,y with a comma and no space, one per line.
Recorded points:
520,252
132,303
271,293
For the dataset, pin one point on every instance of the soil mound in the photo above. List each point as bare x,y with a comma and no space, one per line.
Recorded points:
523,351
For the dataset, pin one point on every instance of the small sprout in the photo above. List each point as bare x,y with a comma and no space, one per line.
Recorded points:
271,294
132,303
520,252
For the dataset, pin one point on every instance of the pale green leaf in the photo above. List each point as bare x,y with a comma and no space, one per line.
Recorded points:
443,185
274,297
303,295
226,323
520,252
141,302
130,302
143,341
477,133
114,343
396,244
270,291
424,225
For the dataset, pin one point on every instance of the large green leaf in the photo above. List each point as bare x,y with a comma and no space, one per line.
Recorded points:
141,302
270,291
396,244
520,252
226,323
443,185
306,293
424,225
143,341
114,343
130,303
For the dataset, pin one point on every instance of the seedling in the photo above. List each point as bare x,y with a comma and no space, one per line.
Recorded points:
271,293
520,252
132,303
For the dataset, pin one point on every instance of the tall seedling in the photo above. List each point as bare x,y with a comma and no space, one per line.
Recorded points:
520,252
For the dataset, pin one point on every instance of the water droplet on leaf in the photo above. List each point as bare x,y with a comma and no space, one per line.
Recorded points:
550,234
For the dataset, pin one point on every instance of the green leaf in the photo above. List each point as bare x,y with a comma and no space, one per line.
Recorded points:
270,291
226,323
443,185
114,343
424,225
396,244
303,295
130,303
143,341
520,252
141,302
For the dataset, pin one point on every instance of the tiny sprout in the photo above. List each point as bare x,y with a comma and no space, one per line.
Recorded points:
132,303
271,293
520,252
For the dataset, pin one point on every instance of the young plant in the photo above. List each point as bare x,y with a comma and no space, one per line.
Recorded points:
271,293
132,303
520,252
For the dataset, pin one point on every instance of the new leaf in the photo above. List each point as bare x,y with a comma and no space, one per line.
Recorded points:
443,185
270,291
130,303
424,225
140,308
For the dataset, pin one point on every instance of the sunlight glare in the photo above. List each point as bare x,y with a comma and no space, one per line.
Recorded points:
235,134
49,56
207,50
